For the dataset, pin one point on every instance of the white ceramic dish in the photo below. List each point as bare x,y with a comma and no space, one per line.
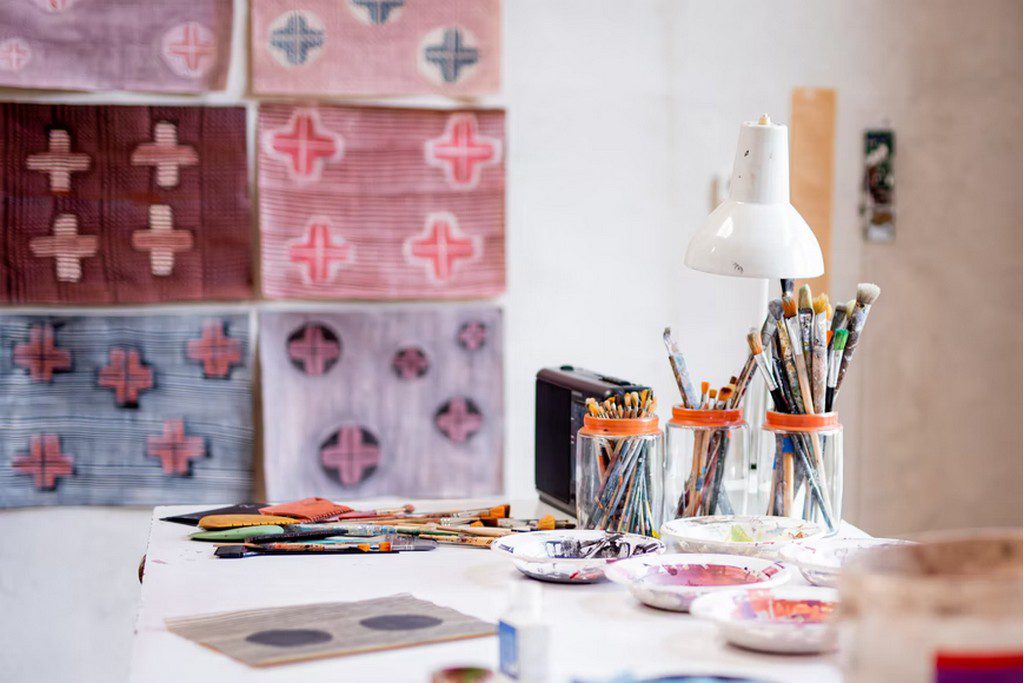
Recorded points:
820,561
672,582
558,556
786,619
722,534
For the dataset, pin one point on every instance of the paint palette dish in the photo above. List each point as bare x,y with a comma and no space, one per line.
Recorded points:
787,619
821,561
750,535
572,555
674,581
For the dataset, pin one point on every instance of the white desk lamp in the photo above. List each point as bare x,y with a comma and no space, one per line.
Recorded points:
756,233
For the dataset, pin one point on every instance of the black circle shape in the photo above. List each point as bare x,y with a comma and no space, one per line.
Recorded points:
314,364
289,637
400,622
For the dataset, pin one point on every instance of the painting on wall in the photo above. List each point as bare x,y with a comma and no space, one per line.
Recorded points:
878,191
376,48
110,409
390,401
115,45
114,204
381,203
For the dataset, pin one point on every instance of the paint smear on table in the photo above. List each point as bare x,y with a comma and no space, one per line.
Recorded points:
701,575
115,45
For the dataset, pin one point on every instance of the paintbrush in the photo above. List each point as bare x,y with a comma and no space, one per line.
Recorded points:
819,352
867,293
834,362
243,549
805,316
786,284
682,375
792,331
761,358
386,512
463,540
839,319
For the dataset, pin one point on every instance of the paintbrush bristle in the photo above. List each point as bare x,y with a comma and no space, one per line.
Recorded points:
840,310
867,292
788,306
704,386
725,394
804,298
775,309
820,303
754,342
839,343
712,393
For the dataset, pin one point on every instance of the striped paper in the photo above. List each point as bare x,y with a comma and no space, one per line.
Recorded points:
115,45
376,47
139,410
389,401
110,204
381,203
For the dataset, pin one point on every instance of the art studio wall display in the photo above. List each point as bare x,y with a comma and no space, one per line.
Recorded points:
278,635
115,45
393,401
141,410
381,203
111,204
376,47
878,190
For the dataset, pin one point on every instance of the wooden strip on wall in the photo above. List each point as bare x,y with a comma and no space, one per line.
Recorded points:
812,166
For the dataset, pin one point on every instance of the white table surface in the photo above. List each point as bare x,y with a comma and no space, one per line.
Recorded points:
597,630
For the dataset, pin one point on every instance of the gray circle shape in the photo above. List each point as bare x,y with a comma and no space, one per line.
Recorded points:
400,622
289,637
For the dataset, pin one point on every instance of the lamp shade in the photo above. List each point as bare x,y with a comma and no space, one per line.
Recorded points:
756,232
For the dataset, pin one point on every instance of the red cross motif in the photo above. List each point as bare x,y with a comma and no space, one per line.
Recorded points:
66,246
458,419
441,246
126,375
461,152
215,350
14,54
472,335
44,461
410,363
40,356
314,349
175,450
59,161
321,252
165,154
303,145
189,49
161,240
353,452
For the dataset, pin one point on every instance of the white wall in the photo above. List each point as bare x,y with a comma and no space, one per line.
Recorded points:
618,115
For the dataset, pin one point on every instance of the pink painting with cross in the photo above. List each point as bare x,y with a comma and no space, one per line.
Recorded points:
381,203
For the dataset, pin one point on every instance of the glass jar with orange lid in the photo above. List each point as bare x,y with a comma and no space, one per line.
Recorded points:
800,467
618,474
705,471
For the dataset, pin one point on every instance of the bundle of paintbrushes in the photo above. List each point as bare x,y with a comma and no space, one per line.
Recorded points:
703,494
300,528
803,352
618,459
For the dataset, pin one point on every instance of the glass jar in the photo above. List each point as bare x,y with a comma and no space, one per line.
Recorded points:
800,468
705,469
618,475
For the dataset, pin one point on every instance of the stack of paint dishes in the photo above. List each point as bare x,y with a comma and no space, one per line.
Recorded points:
674,581
747,535
821,561
572,556
786,619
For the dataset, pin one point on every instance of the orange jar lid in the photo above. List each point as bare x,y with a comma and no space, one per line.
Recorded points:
627,426
786,422
692,417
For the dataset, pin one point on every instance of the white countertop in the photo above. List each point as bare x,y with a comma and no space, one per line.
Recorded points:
597,630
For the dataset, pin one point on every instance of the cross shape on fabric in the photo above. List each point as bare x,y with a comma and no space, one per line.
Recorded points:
462,152
40,355
66,246
441,246
175,450
165,154
59,161
215,350
126,375
44,461
162,241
